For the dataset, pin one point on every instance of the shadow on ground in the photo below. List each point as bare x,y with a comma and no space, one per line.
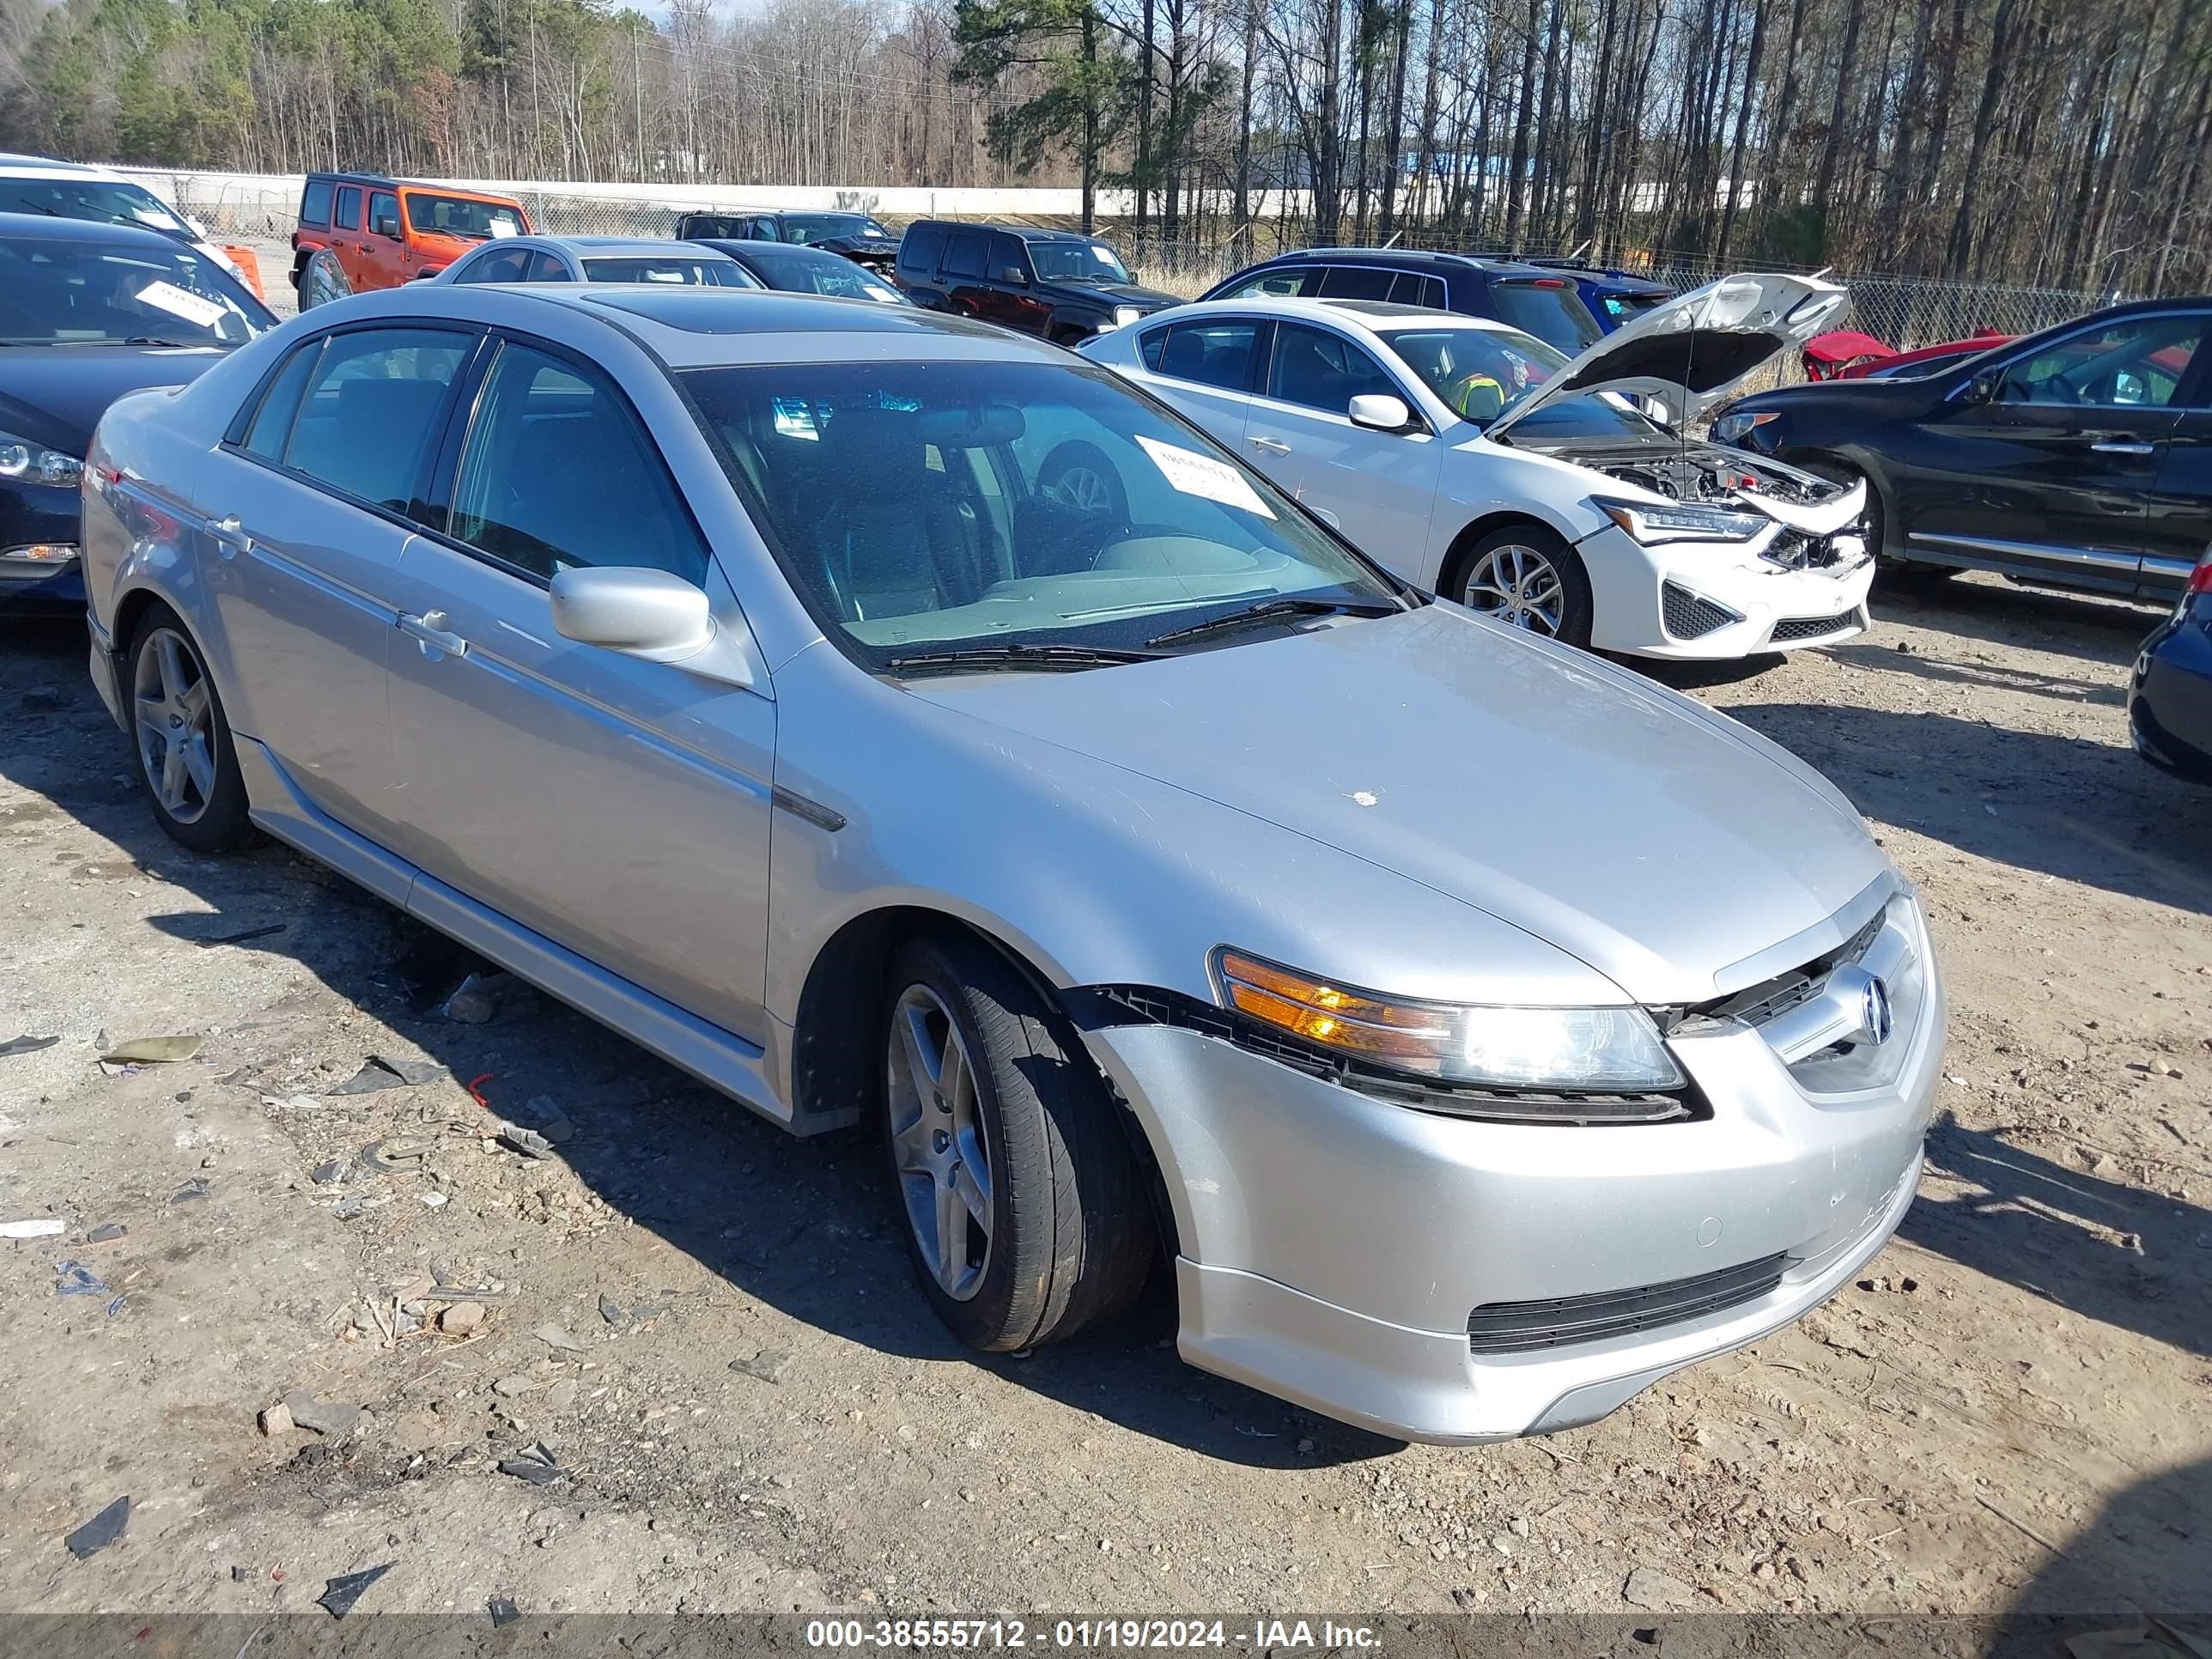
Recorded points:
804,1226
2103,1249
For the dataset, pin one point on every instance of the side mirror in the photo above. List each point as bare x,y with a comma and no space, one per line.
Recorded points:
388,225
1015,274
1380,411
650,614
1983,388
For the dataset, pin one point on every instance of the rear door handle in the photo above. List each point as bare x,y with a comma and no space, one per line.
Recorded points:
429,628
1269,446
2118,446
228,534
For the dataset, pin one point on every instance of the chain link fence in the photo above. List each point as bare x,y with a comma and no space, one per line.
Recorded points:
1904,312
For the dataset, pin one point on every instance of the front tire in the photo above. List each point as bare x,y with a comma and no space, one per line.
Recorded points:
1526,576
186,759
1020,1200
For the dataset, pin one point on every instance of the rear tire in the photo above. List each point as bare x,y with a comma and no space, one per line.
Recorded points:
1526,576
1021,1202
186,760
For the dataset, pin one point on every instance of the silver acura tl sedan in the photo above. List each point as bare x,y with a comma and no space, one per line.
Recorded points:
1481,1031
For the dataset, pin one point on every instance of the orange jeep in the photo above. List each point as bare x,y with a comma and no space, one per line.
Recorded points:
360,231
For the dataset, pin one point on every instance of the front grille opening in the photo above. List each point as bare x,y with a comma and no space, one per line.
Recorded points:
1563,1320
1097,1006
1812,628
1686,615
1761,1002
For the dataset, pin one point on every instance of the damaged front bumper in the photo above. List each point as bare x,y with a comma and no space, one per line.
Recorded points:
1435,1278
1720,601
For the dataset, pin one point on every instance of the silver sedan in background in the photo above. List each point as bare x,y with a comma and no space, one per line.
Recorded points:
1480,1031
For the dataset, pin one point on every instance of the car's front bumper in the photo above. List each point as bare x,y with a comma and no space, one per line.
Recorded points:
1332,1245
1651,601
39,515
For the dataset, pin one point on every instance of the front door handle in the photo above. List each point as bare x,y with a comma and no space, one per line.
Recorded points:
429,629
1269,446
229,535
2123,447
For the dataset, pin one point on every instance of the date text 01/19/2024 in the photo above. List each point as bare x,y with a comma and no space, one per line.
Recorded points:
1080,1634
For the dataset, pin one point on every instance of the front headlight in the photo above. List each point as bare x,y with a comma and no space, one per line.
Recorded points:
22,458
1656,524
1125,315
1735,429
1493,1048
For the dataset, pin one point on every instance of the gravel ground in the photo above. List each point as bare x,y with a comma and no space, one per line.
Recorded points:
712,1328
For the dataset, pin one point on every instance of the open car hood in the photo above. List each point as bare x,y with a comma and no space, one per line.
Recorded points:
1692,351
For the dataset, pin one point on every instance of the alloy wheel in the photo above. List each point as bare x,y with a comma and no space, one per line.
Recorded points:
175,723
937,1142
1518,585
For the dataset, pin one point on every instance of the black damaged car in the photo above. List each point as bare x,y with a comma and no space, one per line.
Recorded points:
89,313
2080,457
1055,283
858,236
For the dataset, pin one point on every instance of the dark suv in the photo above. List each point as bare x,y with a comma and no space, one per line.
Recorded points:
1544,303
857,236
1054,282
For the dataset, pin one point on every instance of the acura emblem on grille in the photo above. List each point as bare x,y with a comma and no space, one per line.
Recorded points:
1875,1020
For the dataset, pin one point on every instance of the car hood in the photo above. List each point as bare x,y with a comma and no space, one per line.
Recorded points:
1109,294
55,395
1655,841
1693,350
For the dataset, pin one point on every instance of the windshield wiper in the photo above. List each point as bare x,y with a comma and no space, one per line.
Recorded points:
1014,656
1273,611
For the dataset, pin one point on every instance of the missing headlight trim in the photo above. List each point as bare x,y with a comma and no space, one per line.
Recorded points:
1101,1006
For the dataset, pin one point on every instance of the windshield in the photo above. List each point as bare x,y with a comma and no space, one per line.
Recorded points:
1076,262
1480,372
456,215
1548,308
675,272
936,506
841,279
96,199
60,293
823,227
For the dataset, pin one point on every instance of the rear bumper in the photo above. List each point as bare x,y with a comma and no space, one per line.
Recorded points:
1334,1245
1634,612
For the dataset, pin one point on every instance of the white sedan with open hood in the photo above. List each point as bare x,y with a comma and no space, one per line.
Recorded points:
1477,462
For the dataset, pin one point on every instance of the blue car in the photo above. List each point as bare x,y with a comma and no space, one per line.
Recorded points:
2170,694
1613,296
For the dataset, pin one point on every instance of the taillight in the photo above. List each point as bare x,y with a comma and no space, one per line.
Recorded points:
2200,580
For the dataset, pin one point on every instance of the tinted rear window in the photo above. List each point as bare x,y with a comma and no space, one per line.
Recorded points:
921,246
315,204
1549,309
966,258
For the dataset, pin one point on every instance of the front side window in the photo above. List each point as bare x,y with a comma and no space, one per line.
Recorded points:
1320,370
2139,362
57,293
925,507
371,409
458,216
1076,262
1475,372
1212,354
1549,309
558,474
1007,258
384,213
1285,283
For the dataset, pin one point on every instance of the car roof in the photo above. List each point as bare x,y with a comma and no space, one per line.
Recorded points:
45,227
1027,233
1366,316
13,162
638,245
465,192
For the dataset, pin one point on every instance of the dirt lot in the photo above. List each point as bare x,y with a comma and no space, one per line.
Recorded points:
712,1329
